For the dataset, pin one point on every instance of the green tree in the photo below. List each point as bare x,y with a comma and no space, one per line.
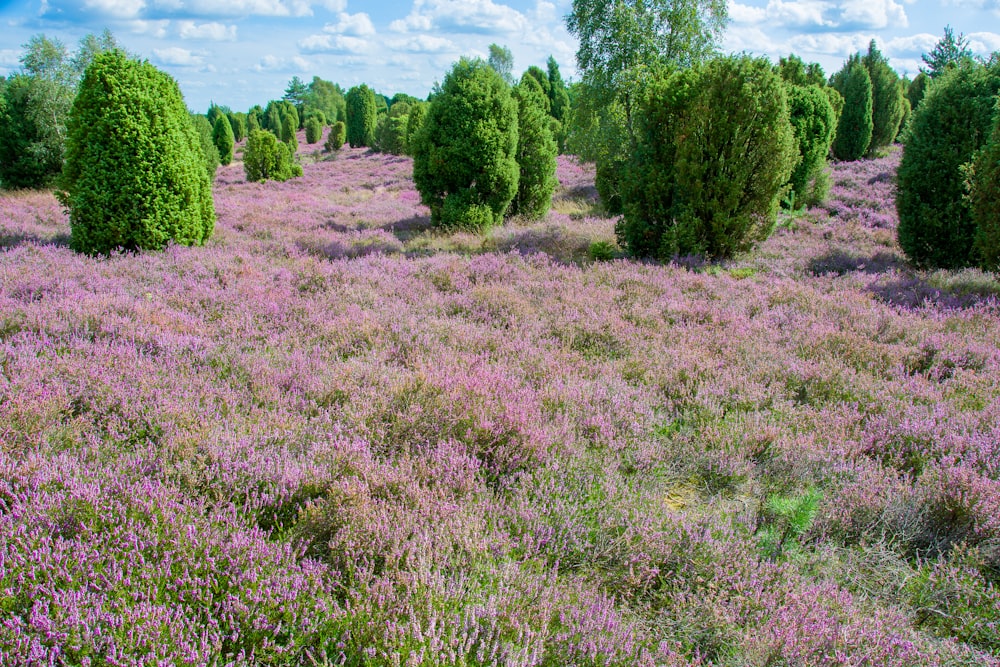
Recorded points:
795,71
715,151
296,94
335,139
289,126
619,42
813,123
949,52
90,46
542,79
536,152
327,97
888,101
134,175
854,129
362,116
210,153
984,198
414,121
916,90
936,228
314,129
392,129
222,137
502,61
238,122
267,158
464,157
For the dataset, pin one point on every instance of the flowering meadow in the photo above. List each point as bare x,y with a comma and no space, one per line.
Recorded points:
336,436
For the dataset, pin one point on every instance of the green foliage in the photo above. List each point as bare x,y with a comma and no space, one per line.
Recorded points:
314,130
134,175
888,101
338,135
916,90
267,158
255,119
558,94
296,93
544,86
601,251
209,152
954,120
813,122
949,52
464,157
536,152
502,62
793,70
32,131
222,137
392,129
715,150
214,113
854,129
785,518
327,97
414,121
238,123
362,116
289,126
984,198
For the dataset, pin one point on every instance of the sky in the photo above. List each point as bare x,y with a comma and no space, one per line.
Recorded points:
244,52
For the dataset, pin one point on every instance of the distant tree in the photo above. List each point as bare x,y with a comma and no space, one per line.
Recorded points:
266,158
620,43
335,139
90,46
414,121
854,130
222,137
362,116
795,71
238,121
888,101
255,119
936,228
464,157
542,78
502,62
984,198
536,151
213,113
289,127
314,130
134,175
917,89
209,152
327,97
392,129
947,53
715,151
813,124
558,93
297,94
272,119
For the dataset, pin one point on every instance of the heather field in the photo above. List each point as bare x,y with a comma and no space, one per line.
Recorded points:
335,436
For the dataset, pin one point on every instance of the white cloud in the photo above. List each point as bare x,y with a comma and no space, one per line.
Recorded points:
746,13
778,13
157,29
213,31
334,44
912,46
423,44
271,63
468,16
335,5
984,43
175,55
359,25
873,14
123,9
830,43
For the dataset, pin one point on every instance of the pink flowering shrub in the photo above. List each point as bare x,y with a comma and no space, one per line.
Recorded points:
334,435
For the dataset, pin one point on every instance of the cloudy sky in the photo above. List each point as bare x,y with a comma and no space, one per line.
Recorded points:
243,52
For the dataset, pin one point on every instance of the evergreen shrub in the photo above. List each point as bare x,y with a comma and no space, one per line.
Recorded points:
314,130
266,158
134,175
338,134
222,137
536,151
854,129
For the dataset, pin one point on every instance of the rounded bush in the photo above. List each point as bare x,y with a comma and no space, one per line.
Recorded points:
813,123
854,130
266,158
466,150
222,137
134,176
714,151
536,151
314,130
888,101
392,129
362,116
338,134
954,120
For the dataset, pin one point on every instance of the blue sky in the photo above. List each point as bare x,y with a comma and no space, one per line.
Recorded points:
243,52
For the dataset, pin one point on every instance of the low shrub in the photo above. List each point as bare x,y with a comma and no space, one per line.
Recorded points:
266,158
